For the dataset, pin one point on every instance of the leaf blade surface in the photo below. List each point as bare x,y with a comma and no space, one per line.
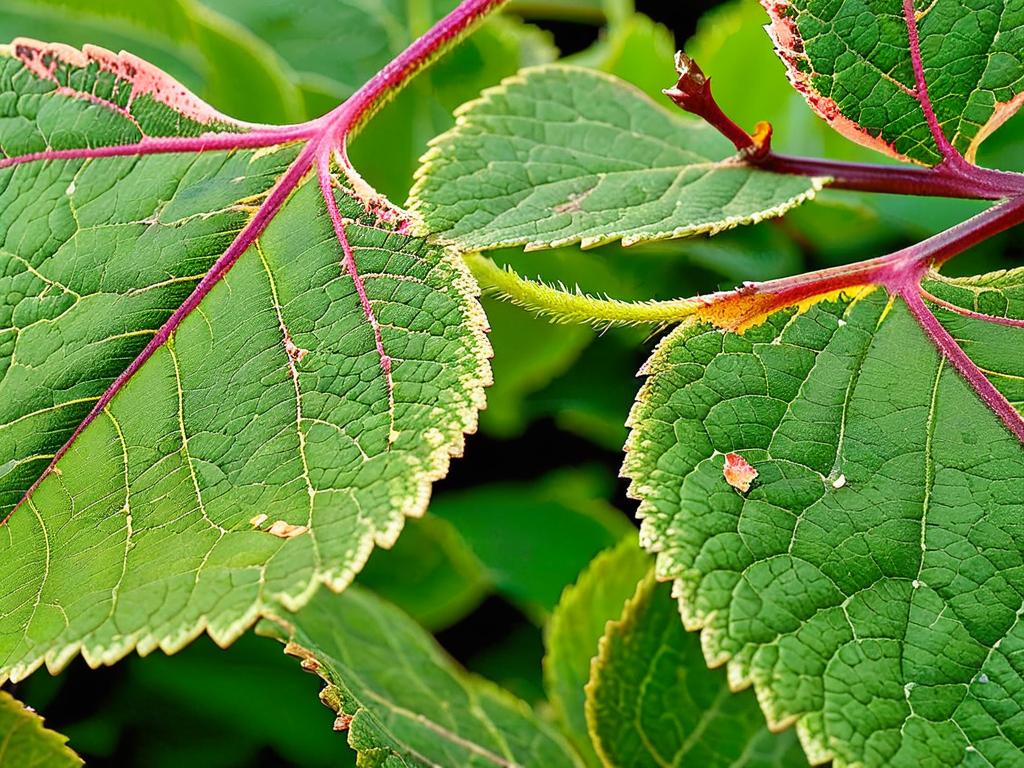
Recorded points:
560,155
853,64
26,743
874,550
652,701
401,698
210,409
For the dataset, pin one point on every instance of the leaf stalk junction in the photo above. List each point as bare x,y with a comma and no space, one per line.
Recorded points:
323,151
900,273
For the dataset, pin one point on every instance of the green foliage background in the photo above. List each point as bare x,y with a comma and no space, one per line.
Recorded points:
537,495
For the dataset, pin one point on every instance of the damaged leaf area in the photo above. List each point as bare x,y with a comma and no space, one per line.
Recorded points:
853,63
401,699
227,371
26,743
869,583
738,473
559,155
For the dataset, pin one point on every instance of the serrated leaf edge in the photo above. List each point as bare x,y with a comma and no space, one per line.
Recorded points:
433,467
812,742
37,721
347,708
416,203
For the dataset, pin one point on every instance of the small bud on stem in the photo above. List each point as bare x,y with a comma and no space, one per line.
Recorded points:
692,92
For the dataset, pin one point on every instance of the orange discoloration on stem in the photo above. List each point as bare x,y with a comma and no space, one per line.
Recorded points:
692,92
746,307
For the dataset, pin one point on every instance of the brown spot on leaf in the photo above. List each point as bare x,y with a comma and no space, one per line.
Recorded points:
286,530
574,204
46,60
342,722
295,352
738,472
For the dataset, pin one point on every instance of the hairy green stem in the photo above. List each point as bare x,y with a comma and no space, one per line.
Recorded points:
564,306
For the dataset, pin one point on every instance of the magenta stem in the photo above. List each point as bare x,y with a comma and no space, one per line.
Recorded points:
953,177
349,263
208,142
948,152
364,102
950,307
909,264
896,270
967,368
901,274
983,184
284,187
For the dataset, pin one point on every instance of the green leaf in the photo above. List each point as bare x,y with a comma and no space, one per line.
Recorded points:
652,701
853,63
26,743
212,55
430,573
500,523
180,452
869,582
402,700
730,47
560,155
577,625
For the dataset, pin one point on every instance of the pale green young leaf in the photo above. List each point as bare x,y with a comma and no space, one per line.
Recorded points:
267,445
651,700
868,584
26,743
403,701
577,624
560,155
